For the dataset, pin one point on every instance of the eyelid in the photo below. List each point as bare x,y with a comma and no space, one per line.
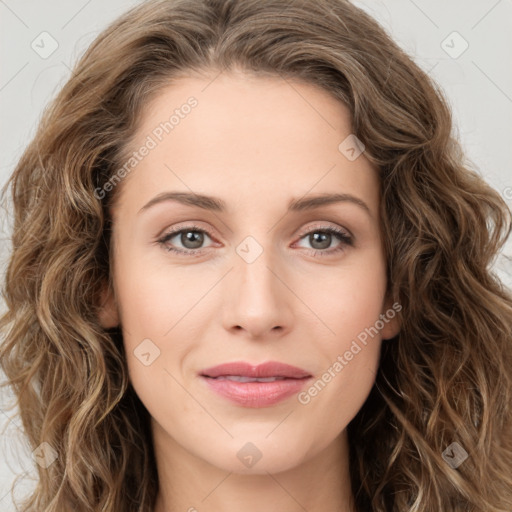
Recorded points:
322,226
186,224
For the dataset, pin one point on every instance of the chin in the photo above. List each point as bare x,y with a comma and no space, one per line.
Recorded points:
258,455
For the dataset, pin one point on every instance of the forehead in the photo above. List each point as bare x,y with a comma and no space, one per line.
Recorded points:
248,137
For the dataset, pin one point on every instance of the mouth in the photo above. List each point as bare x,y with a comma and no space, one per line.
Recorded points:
255,386
267,370
242,378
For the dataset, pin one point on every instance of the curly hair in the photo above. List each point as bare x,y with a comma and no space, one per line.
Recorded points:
444,378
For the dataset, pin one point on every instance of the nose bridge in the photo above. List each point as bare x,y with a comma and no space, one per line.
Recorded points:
254,267
258,300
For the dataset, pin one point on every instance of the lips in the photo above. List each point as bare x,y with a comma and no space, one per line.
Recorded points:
271,369
255,386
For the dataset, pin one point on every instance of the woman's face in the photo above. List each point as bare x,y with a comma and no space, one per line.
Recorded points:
252,274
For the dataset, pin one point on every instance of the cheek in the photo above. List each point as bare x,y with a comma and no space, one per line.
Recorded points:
350,305
350,298
159,309
153,296
338,394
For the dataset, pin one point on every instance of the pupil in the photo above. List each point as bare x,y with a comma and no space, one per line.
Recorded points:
188,237
324,238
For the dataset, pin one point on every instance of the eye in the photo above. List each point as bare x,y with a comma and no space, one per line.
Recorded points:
322,237
191,239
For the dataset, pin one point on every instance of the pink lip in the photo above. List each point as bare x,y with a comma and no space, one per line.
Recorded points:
255,394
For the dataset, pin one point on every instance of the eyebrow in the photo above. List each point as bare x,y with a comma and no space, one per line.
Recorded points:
218,205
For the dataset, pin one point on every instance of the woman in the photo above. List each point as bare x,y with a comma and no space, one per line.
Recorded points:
249,269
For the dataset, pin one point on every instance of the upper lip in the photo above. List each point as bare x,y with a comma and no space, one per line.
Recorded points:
268,369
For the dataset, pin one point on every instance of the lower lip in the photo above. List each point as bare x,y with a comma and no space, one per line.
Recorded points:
256,394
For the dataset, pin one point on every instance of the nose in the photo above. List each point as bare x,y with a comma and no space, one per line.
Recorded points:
257,299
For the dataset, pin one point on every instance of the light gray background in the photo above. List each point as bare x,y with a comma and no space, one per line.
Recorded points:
478,84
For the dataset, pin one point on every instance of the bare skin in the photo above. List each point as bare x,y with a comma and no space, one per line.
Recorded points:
257,144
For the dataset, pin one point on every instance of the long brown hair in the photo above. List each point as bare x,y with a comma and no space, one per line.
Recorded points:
444,379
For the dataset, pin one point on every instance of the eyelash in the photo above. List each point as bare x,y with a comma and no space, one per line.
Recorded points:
344,238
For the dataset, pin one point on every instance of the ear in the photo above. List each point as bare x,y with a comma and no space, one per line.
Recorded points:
108,315
390,318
